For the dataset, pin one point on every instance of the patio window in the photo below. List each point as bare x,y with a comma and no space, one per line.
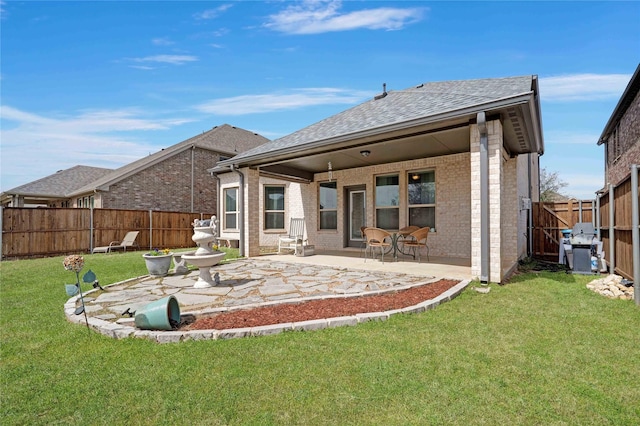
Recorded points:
387,202
421,189
328,205
231,208
274,207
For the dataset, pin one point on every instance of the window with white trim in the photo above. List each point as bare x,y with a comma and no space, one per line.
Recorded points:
421,196
231,208
387,202
328,206
274,207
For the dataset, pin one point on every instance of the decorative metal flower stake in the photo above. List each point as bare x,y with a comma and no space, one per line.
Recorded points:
75,263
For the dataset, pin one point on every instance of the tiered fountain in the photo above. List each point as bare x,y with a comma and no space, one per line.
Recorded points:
205,235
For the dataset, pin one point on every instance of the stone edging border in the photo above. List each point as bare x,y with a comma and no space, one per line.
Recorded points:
122,331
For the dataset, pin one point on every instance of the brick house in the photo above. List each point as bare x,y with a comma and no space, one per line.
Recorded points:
52,190
621,135
173,179
459,156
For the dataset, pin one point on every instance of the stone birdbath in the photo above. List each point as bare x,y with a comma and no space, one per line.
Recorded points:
205,235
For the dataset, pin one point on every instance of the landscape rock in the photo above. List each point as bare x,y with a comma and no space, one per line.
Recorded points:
611,286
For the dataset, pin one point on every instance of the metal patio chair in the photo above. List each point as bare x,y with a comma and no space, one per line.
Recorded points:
379,238
128,241
416,240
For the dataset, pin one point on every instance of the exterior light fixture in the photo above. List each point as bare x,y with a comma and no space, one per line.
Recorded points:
330,168
365,153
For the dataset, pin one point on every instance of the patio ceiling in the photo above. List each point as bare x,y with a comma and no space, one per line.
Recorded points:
387,148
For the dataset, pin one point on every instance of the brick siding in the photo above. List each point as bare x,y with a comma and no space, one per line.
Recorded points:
166,186
627,139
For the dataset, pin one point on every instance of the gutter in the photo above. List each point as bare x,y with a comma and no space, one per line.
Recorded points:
241,205
484,197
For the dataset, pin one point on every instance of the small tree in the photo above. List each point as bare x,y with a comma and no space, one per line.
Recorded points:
550,186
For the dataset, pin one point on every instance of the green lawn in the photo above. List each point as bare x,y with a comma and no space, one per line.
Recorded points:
542,350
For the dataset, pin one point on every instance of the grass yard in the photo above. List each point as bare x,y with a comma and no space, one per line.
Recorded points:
541,350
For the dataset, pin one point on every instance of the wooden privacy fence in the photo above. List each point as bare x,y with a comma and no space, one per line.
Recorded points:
39,232
549,219
617,220
611,214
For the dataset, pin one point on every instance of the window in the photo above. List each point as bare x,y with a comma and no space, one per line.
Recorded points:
231,208
387,202
422,198
328,205
274,207
79,203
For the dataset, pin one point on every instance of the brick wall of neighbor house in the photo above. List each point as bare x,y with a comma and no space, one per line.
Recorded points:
166,186
623,146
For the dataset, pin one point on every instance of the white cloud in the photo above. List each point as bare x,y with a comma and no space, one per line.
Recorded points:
583,186
212,13
162,41
314,17
167,59
34,145
298,98
583,87
571,138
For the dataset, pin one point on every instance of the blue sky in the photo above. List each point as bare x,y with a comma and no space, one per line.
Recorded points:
105,83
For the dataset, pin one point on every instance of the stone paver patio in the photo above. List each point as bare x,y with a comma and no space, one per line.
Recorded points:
244,283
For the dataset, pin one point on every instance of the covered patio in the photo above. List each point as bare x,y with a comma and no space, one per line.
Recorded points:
438,266
459,157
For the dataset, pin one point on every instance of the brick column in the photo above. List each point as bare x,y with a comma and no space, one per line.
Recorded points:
495,183
252,212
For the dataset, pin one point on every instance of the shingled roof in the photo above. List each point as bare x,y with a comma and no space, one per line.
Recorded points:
435,100
60,183
226,140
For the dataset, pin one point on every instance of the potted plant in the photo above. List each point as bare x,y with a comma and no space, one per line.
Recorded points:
158,262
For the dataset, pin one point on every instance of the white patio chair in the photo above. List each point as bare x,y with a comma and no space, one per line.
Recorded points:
295,237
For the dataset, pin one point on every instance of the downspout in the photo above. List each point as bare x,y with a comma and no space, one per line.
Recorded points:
218,197
484,197
530,214
241,205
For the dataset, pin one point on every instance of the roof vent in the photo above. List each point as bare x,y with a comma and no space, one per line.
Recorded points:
384,92
420,85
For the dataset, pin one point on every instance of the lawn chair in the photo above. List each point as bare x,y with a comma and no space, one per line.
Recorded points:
128,241
416,240
295,237
376,237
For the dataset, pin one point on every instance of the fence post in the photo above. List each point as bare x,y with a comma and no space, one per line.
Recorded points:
1,229
91,229
150,229
635,234
612,240
597,215
580,212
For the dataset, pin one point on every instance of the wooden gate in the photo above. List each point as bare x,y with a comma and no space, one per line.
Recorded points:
550,219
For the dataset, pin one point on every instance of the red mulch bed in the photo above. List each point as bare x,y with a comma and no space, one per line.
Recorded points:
317,309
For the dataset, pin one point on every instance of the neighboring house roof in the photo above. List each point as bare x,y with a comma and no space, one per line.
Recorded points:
59,184
625,101
419,105
226,140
